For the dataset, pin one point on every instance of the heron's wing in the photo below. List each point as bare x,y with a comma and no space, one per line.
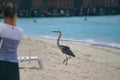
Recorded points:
65,47
66,50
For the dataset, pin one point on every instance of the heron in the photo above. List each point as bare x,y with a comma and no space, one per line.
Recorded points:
65,49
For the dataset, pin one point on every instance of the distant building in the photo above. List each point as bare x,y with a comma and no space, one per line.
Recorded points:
63,4
112,3
101,3
36,4
24,4
65,7
59,4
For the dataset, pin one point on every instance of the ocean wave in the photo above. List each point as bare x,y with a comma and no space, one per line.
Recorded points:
90,41
104,44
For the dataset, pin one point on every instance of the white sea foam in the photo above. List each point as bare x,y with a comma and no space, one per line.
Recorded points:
90,41
95,43
48,37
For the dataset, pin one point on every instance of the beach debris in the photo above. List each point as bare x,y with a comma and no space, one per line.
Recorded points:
29,58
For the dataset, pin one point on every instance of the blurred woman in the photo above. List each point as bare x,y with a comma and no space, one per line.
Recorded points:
10,36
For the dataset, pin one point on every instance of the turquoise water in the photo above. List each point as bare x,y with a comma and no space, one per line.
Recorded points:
101,30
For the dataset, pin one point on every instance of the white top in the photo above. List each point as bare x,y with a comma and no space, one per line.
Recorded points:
9,39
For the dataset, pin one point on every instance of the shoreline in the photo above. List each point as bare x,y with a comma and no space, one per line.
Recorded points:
49,40
87,41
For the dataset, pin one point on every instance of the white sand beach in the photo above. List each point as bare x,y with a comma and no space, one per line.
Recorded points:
90,63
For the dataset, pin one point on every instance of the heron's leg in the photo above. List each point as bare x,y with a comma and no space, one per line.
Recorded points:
66,60
69,57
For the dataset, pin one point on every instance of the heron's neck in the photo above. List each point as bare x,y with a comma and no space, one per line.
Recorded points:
58,41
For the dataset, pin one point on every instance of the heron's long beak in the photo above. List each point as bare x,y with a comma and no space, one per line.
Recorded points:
56,31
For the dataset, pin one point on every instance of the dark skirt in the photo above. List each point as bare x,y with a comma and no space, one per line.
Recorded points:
9,71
